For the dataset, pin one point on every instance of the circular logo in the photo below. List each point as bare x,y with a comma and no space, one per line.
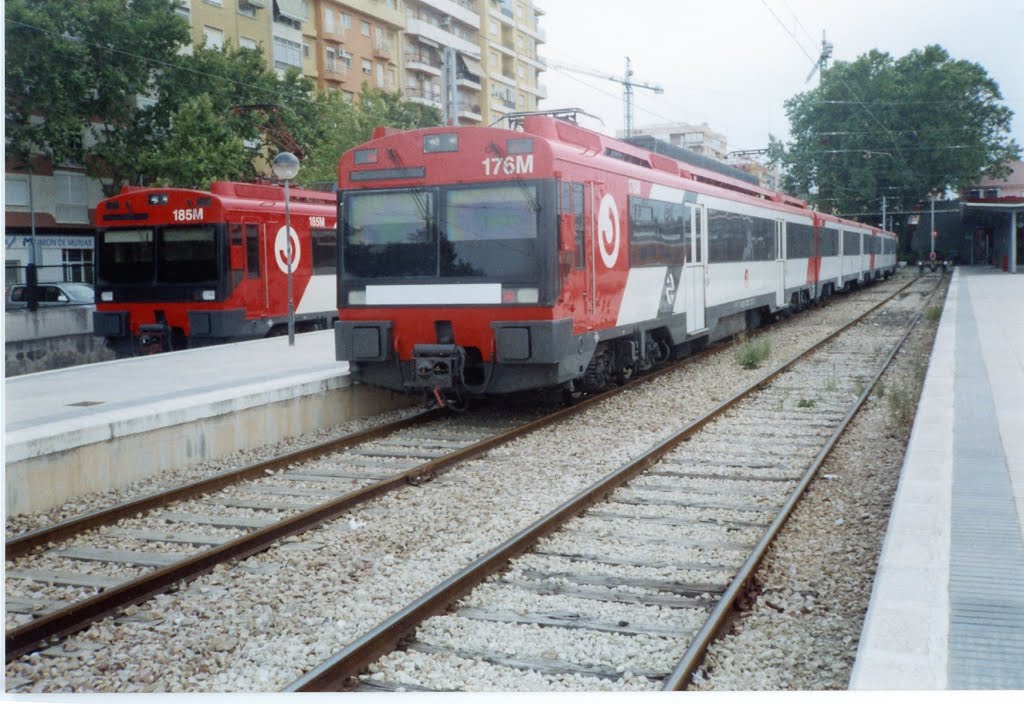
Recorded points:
608,231
281,250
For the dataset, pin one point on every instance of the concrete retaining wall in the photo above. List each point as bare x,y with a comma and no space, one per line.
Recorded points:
51,338
39,482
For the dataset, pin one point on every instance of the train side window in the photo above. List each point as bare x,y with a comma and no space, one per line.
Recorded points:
252,250
236,253
580,256
325,251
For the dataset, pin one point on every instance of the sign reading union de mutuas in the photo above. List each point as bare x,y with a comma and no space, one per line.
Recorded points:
47,241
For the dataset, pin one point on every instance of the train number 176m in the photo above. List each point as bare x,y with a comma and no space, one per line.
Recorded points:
509,165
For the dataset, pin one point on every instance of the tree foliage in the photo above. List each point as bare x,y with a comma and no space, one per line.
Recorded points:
342,124
104,84
895,128
73,73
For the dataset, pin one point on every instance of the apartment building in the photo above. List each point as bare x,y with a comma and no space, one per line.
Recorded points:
510,36
697,138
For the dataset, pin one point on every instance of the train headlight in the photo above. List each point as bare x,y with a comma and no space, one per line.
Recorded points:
357,298
106,295
520,295
209,295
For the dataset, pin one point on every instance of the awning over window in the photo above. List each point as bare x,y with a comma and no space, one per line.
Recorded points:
472,65
292,9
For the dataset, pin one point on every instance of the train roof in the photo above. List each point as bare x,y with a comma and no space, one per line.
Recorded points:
247,191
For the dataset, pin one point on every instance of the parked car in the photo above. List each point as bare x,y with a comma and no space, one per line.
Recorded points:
66,293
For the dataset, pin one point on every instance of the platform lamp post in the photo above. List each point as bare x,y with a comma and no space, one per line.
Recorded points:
286,166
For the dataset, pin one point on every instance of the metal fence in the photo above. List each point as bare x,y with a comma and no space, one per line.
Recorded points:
82,272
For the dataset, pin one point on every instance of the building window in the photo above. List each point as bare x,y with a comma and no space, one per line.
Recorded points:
214,37
380,75
494,60
71,197
246,9
492,27
287,53
17,191
218,3
13,272
184,10
329,20
305,50
367,67
364,27
247,43
330,60
77,265
348,96
346,21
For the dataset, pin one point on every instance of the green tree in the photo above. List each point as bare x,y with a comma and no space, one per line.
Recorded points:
900,129
202,146
74,74
341,125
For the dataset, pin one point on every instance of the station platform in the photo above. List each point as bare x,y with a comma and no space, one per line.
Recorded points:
88,428
947,607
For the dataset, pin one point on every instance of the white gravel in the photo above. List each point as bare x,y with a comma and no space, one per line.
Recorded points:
258,625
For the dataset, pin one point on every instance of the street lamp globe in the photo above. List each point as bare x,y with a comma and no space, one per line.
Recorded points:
285,165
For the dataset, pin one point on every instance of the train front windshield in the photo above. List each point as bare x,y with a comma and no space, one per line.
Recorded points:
159,255
485,233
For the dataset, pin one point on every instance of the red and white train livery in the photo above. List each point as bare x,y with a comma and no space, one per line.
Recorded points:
178,267
478,261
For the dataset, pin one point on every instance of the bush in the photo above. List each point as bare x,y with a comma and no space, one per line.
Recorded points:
933,314
749,355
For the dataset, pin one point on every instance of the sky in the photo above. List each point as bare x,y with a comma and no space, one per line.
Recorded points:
733,63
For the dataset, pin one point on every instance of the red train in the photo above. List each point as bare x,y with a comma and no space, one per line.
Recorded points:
180,268
477,261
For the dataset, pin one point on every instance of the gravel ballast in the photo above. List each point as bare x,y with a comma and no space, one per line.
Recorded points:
258,625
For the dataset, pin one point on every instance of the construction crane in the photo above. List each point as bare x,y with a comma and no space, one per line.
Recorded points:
826,54
627,82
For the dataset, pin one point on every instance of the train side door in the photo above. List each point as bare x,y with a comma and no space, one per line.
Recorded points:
780,262
256,289
695,270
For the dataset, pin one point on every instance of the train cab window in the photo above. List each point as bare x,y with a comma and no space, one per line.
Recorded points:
252,250
127,256
187,255
325,251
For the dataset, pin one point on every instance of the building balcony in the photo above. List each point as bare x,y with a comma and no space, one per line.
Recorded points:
382,50
537,33
457,10
424,64
378,10
422,28
540,91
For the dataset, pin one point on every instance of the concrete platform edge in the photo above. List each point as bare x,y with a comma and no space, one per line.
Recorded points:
904,641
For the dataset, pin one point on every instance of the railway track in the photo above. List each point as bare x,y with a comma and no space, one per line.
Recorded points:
71,577
101,590
629,581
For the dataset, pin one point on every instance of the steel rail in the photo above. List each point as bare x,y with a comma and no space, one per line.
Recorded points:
24,543
717,619
339,672
75,617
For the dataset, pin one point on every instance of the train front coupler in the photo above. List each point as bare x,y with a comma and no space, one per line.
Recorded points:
439,370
